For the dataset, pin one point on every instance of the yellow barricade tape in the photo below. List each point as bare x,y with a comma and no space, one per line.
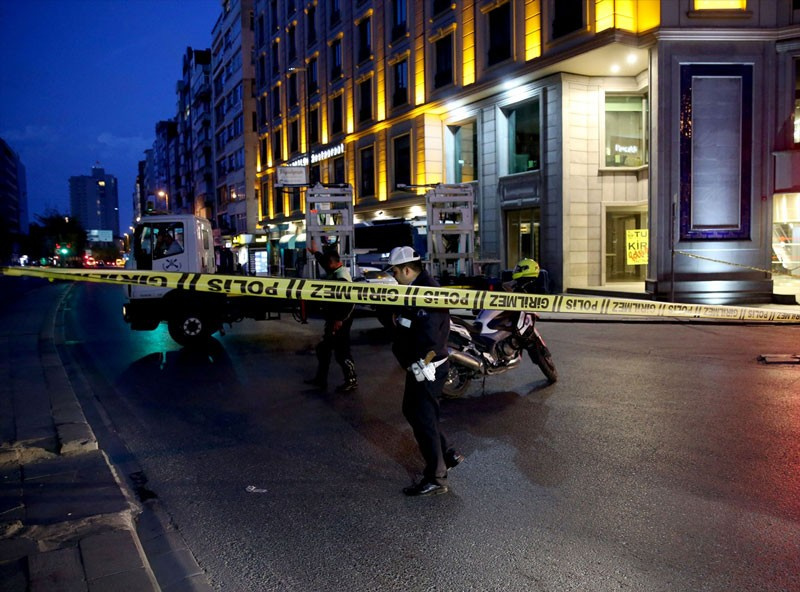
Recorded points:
399,295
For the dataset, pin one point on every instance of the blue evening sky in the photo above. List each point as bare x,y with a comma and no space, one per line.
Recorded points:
85,81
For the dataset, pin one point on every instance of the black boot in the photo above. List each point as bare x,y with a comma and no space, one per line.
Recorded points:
350,381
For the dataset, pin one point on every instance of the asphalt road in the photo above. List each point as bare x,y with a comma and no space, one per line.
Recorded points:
665,459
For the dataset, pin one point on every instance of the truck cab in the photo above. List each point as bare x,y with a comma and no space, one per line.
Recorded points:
177,243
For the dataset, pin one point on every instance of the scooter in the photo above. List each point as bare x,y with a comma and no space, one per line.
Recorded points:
493,344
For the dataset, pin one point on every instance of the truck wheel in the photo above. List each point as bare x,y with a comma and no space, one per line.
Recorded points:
190,329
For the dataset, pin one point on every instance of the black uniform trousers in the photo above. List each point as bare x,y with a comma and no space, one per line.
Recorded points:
421,410
338,345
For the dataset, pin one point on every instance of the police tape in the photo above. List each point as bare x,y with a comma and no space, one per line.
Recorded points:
400,295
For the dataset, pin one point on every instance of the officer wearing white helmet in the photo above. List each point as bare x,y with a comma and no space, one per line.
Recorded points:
420,346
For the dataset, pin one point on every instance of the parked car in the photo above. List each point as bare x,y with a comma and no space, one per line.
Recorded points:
373,275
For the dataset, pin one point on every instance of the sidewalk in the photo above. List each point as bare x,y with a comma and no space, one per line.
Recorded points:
66,519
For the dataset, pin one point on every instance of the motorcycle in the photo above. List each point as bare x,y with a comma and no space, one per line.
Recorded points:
493,344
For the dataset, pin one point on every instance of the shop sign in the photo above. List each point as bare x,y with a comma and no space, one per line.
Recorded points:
636,246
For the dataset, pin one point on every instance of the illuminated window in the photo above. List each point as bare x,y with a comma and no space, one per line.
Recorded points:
367,177
444,62
401,152
720,4
400,83
567,16
797,101
524,137
500,34
626,131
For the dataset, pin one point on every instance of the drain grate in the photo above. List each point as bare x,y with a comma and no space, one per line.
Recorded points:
779,358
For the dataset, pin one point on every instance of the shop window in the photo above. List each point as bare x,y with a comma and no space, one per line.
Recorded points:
444,62
401,151
400,83
367,173
626,131
365,100
567,16
500,34
524,136
465,153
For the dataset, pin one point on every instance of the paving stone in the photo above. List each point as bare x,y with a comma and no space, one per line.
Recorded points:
196,583
110,553
138,580
71,488
11,507
57,570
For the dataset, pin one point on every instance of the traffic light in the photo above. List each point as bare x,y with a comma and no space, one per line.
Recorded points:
63,248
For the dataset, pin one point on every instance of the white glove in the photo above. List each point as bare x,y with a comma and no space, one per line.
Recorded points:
423,371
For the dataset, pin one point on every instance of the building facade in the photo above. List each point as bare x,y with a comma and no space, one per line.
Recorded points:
234,125
13,191
647,144
94,201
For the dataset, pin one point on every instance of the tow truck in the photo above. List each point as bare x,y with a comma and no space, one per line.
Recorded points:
184,243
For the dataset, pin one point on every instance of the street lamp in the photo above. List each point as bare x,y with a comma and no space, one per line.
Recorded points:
165,195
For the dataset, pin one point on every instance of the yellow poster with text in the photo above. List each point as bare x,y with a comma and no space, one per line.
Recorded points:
636,246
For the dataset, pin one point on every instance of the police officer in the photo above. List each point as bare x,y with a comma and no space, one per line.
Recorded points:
338,320
420,346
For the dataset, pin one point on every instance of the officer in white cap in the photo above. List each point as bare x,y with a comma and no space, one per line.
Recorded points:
420,346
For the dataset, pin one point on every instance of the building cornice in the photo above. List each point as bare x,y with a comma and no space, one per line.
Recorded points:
720,34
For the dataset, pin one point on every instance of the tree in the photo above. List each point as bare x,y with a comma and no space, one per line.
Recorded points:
57,229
